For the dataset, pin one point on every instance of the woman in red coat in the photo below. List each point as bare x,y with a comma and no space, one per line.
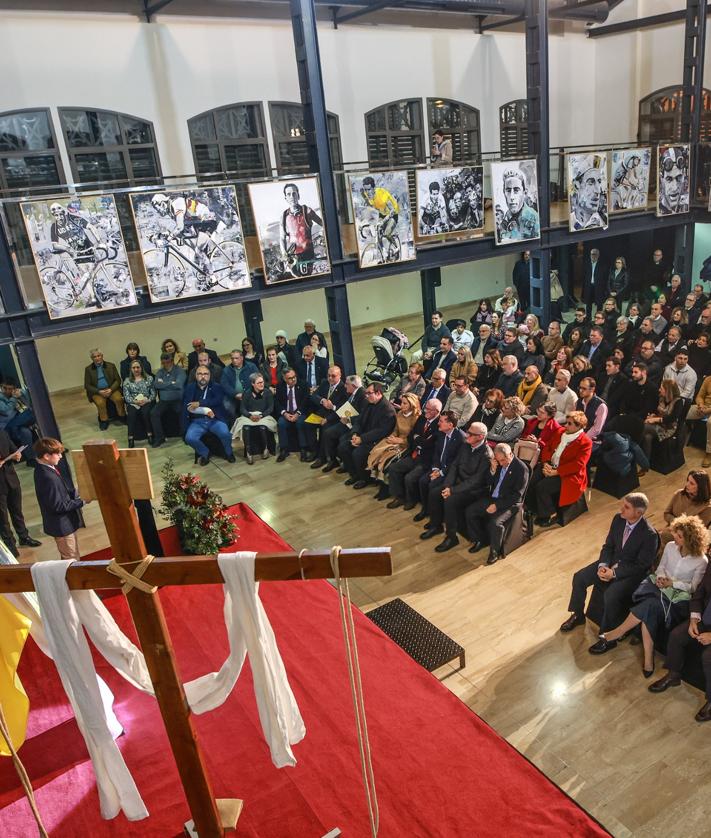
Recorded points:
561,476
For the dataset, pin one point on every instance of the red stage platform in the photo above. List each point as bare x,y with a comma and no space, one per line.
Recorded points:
441,772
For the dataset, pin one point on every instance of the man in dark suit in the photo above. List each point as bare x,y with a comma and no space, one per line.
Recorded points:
198,347
304,339
483,342
291,399
203,412
611,385
594,282
404,475
487,517
324,402
627,556
59,504
443,358
449,441
311,369
596,350
375,422
11,498
466,481
694,631
437,388
332,433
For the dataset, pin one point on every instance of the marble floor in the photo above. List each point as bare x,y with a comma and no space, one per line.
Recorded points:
637,762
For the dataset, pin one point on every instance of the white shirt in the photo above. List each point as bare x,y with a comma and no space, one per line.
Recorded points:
685,572
564,402
685,378
465,339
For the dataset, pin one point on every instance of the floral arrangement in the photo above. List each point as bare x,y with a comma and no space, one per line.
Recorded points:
202,519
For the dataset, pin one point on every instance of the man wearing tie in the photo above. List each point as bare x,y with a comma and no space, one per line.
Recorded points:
324,402
437,389
311,370
404,475
594,282
696,631
627,556
431,482
332,433
375,422
291,398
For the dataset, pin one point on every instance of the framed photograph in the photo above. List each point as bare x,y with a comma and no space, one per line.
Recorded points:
673,168
587,191
191,241
629,183
381,213
450,201
290,228
514,184
80,254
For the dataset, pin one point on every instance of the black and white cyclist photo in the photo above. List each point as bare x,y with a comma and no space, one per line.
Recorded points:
290,228
381,213
80,254
673,170
629,182
514,189
191,241
450,201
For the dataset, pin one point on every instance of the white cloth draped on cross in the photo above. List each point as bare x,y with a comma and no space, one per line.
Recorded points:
248,630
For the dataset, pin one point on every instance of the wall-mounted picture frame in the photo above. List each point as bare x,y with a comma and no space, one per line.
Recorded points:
450,201
80,254
588,198
673,185
629,178
191,241
514,184
290,229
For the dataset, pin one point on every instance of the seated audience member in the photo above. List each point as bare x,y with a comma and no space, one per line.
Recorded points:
603,322
595,349
531,390
579,321
510,376
311,370
627,556
11,498
484,342
509,425
487,517
678,320
463,366
489,408
644,332
180,359
543,426
648,356
533,356
576,341
663,422
696,631
101,384
482,314
562,361
461,401
16,417
431,339
700,411
693,499
324,402
610,313
251,354
561,395
291,400
511,345
611,385
661,601
702,324
437,388
700,355
669,345
674,292
395,444
701,298
404,475
413,382
442,359
623,337
133,353
447,446
507,306
497,327
256,424
581,369
594,408
234,381
680,372
639,399
139,396
488,373
466,481
319,349
332,432
169,384
634,315
204,361
561,475
462,336
375,422
204,412
304,339
659,323
199,346
552,342
273,368
533,326
285,349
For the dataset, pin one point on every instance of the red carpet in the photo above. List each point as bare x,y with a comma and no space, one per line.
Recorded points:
441,772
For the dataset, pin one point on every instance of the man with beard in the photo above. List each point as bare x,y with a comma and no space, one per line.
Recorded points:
589,193
674,181
520,221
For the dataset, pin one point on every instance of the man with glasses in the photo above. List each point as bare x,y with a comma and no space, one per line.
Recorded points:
291,398
648,357
594,408
329,396
674,180
235,381
438,388
465,482
376,421
580,321
449,442
562,396
204,413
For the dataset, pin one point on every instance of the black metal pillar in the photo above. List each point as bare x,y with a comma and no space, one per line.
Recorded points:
563,265
684,254
430,279
539,144
252,313
339,324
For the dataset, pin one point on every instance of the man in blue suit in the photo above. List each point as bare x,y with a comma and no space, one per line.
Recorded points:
446,449
203,412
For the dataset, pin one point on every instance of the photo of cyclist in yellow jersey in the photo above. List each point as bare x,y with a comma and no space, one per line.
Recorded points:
382,218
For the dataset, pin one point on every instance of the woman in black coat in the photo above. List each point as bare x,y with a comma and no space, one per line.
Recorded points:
618,279
133,353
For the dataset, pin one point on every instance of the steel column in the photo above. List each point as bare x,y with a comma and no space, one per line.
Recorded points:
684,254
693,81
252,312
430,279
339,324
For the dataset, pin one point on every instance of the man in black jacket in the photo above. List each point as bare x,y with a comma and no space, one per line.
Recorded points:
465,482
594,282
304,339
596,350
437,388
449,441
522,279
331,434
611,386
404,475
198,347
627,556
443,358
487,517
11,498
311,369
291,399
375,422
324,402
580,321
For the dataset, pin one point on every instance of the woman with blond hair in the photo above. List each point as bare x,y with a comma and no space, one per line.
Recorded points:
385,451
463,367
662,599
509,425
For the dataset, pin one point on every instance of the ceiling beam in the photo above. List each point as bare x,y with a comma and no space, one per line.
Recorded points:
154,8
634,25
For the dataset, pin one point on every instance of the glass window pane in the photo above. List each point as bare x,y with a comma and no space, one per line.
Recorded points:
202,128
332,124
107,128
287,120
246,159
238,123
207,159
378,148
293,157
143,163
25,132
100,167
40,170
78,128
137,131
376,120
404,116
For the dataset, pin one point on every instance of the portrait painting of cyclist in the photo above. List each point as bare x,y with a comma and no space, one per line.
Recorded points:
673,191
71,233
587,191
295,235
433,214
515,188
386,206
194,221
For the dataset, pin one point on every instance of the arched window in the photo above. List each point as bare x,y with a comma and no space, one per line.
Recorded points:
660,116
513,128
395,134
108,147
29,156
289,138
460,123
230,139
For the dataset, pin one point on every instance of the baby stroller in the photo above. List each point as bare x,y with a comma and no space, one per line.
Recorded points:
388,363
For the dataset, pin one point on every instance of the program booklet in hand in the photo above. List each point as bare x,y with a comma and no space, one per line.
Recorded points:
347,411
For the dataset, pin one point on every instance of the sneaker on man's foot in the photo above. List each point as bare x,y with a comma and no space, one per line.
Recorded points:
706,462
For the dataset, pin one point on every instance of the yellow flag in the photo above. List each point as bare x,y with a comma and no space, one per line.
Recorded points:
14,628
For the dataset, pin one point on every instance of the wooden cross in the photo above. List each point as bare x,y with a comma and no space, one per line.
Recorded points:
211,817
